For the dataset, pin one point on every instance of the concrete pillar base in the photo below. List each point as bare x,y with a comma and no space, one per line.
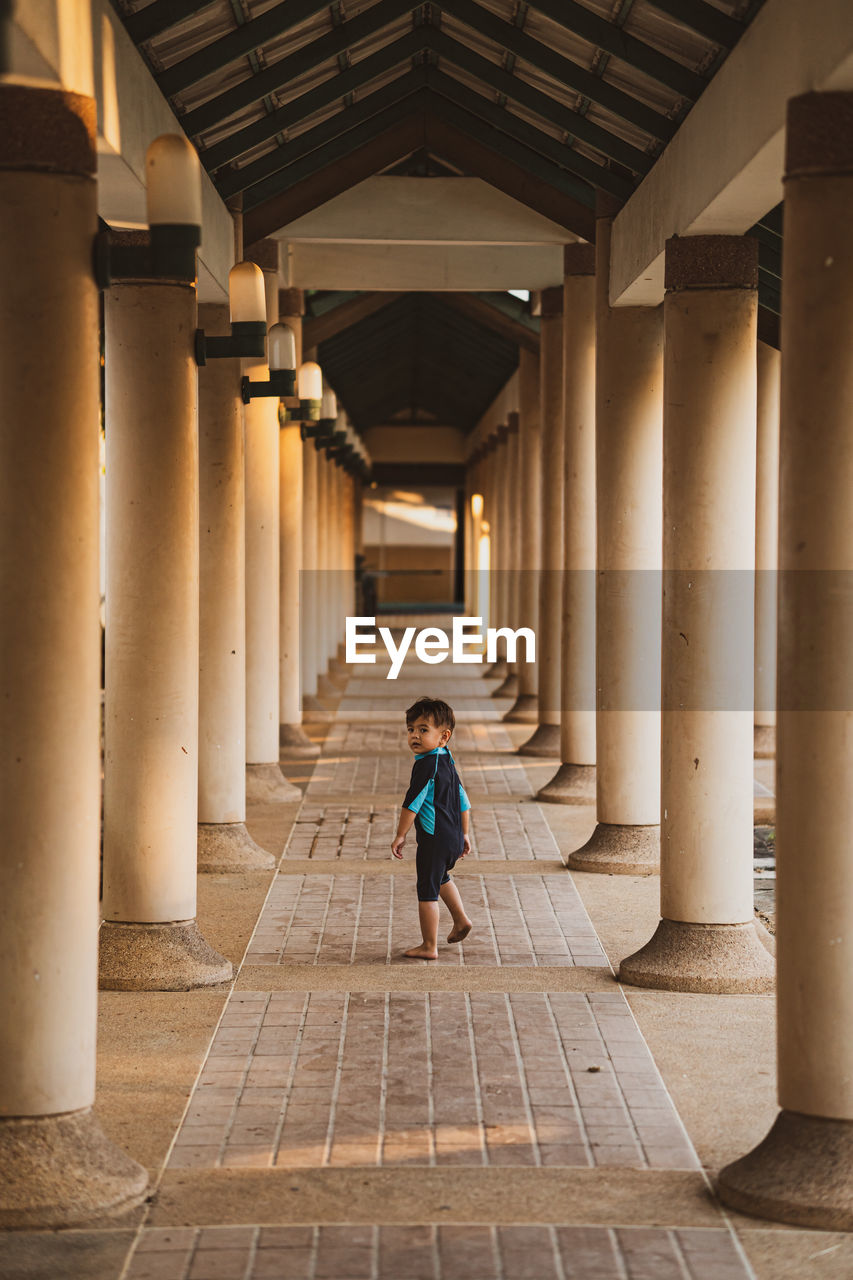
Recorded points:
716,959
764,739
266,784
158,957
338,667
509,688
314,711
544,742
330,685
764,811
497,671
802,1174
295,741
571,784
619,849
525,710
224,847
63,1171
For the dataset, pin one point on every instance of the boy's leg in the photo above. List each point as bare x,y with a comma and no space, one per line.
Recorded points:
452,900
428,917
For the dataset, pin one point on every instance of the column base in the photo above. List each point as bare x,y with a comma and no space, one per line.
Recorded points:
225,847
338,667
158,957
295,741
266,784
63,1171
509,688
544,742
764,742
314,711
715,959
571,784
330,686
525,710
497,671
619,849
802,1174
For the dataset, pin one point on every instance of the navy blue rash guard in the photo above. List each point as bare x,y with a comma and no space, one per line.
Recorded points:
437,799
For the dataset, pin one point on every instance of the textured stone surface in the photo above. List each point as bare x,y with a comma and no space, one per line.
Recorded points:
544,742
158,957
293,739
56,1171
802,1173
525,710
571,784
619,850
710,958
227,846
266,784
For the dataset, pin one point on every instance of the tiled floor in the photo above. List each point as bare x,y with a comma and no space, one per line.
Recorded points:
379,1078
352,919
436,1253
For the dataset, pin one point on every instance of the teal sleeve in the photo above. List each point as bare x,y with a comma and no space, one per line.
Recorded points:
464,802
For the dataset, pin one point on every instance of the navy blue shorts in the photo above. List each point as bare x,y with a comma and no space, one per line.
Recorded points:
434,862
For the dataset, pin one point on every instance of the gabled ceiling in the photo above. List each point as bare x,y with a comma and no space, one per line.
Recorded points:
554,102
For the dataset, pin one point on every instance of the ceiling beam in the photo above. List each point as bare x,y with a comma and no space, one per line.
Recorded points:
561,69
306,59
316,187
245,39
605,35
298,109
704,18
528,135
317,329
147,23
415,267
484,313
549,109
271,173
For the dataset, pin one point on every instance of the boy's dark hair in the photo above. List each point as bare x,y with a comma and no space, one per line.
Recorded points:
440,713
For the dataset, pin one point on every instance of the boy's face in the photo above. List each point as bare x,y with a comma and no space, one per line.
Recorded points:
424,735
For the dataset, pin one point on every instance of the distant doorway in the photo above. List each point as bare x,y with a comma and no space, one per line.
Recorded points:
413,552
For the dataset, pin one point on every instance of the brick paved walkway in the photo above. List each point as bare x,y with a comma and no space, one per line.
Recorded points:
426,1075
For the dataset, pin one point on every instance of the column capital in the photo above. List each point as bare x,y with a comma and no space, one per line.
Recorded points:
579,259
264,254
551,301
819,138
47,130
291,302
711,262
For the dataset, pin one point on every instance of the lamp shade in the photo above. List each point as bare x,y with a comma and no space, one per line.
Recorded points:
476,505
282,347
173,182
329,407
310,383
246,293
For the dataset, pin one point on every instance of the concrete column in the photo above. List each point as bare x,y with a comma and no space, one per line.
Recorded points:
58,1166
509,687
766,549
265,783
150,940
706,940
224,844
525,709
574,782
327,689
801,1172
291,735
546,739
629,475
339,578
499,524
313,709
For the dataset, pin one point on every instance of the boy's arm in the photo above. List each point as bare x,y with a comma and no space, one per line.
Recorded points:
466,842
404,826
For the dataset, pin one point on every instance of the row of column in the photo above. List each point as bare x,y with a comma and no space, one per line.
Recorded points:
204,525
683,403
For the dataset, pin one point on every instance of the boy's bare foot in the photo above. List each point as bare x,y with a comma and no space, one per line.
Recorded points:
459,932
421,953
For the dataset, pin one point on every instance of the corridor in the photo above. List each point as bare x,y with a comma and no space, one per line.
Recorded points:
343,1113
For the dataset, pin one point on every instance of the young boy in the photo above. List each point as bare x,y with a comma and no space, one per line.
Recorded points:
438,806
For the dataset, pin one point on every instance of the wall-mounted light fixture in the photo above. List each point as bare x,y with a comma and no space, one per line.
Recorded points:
476,505
167,250
325,424
310,391
282,362
248,319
